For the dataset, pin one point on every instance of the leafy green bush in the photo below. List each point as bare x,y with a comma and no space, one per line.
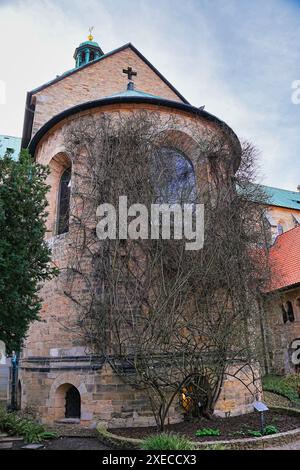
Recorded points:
270,429
207,432
15,425
287,386
167,442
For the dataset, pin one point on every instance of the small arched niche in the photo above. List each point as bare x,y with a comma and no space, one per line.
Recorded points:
67,402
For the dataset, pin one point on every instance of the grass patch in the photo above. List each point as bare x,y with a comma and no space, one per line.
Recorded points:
14,425
167,442
287,386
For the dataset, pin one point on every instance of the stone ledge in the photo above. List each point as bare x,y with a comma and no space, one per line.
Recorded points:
121,442
118,442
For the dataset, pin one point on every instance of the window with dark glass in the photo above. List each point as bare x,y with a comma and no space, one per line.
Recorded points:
174,177
284,314
64,203
290,311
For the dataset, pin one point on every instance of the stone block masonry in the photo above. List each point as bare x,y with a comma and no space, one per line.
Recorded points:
58,375
97,81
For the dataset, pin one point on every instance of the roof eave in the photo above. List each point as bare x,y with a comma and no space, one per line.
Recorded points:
140,100
28,122
282,206
282,289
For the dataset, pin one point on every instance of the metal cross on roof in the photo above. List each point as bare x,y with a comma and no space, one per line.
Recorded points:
130,73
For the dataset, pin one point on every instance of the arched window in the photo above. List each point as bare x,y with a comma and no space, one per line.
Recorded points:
64,202
174,177
284,314
290,312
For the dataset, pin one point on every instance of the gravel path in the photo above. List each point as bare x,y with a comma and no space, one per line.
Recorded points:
75,443
66,443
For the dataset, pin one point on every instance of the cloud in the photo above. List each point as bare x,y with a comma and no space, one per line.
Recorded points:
237,58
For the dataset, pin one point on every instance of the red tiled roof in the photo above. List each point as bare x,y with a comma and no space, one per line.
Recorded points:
285,260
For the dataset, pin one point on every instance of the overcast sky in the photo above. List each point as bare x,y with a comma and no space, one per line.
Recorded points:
238,57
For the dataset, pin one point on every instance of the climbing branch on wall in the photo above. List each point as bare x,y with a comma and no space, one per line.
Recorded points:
168,320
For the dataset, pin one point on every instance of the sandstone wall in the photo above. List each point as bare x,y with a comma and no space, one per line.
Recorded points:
280,335
98,80
55,354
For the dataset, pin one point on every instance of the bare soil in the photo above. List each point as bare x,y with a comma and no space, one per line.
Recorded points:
230,428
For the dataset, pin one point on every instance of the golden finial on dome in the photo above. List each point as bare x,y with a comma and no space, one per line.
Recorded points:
90,36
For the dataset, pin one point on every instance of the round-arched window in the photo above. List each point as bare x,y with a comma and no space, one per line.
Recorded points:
174,177
290,312
64,202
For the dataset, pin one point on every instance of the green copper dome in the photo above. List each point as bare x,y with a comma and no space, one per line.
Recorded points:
89,43
87,51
